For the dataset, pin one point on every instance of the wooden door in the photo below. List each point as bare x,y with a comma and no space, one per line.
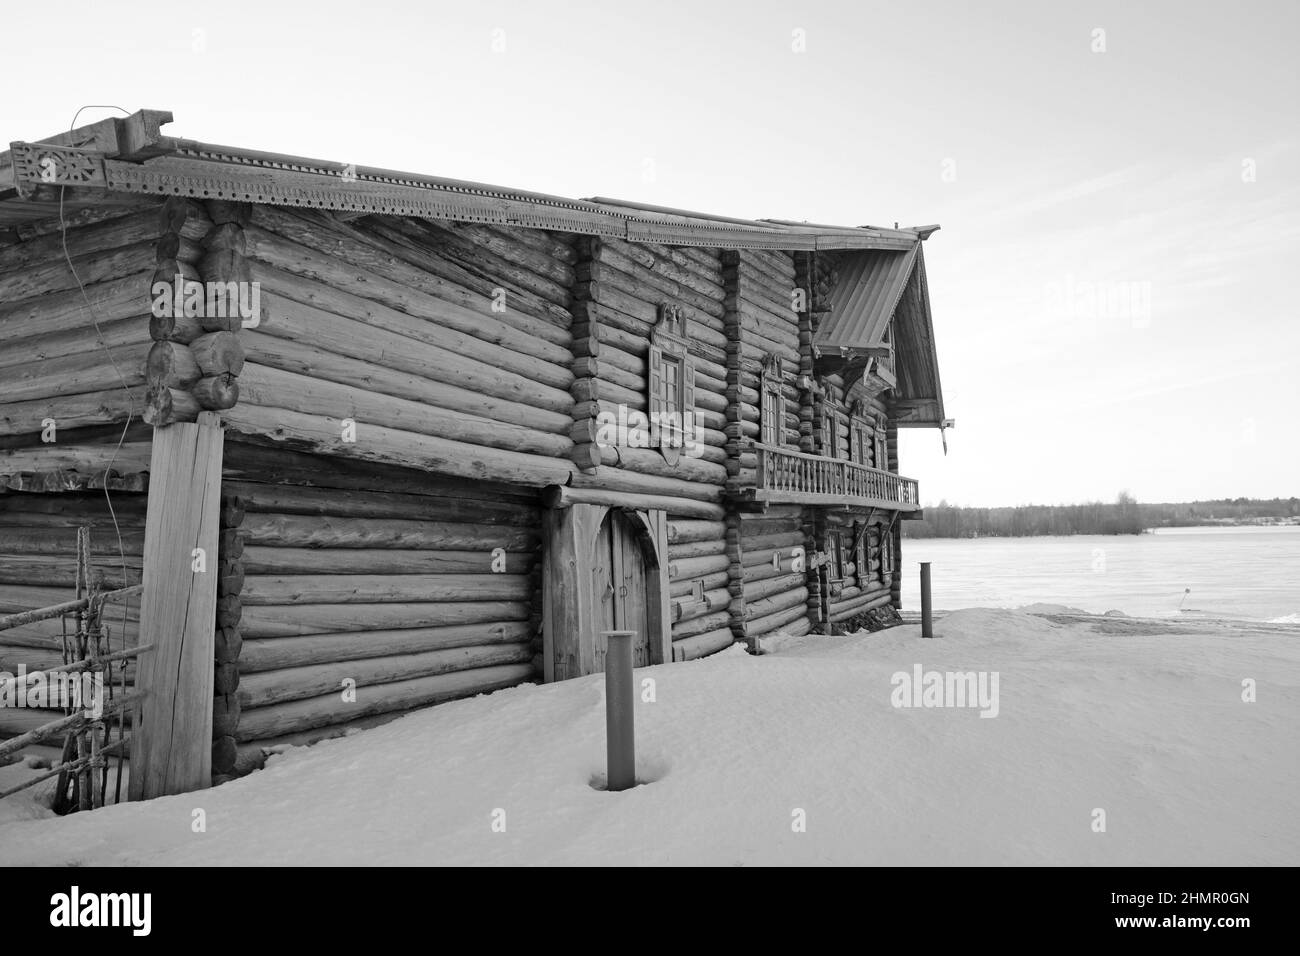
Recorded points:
619,569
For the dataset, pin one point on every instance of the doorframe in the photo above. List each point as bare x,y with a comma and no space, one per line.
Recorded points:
570,622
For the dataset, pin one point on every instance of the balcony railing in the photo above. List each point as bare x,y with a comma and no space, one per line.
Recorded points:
794,477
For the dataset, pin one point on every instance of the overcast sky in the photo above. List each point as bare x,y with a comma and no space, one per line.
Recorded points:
1120,209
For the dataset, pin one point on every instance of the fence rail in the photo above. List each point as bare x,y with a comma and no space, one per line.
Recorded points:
82,769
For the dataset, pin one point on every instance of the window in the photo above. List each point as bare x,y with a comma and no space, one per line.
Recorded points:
882,450
671,385
773,410
832,429
860,444
835,553
862,553
886,553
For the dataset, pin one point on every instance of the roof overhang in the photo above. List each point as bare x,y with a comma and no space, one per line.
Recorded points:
124,157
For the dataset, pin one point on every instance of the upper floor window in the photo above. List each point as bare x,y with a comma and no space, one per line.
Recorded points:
773,410
881,449
671,382
860,436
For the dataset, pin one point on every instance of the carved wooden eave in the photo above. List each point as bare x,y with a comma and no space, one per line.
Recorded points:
131,155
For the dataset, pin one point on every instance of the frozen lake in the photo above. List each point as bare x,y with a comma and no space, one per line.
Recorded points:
1250,573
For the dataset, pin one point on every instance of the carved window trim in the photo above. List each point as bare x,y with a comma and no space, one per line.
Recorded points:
772,392
862,553
670,350
860,451
835,557
886,552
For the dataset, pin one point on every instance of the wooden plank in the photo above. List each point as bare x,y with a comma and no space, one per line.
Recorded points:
172,747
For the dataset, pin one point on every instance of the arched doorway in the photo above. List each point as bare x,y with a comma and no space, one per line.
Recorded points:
620,577
604,568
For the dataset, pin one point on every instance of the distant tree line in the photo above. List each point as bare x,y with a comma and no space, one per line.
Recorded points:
1123,516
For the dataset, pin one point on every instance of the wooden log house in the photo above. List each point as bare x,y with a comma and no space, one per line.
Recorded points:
439,435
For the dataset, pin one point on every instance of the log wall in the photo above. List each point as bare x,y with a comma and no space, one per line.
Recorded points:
416,588
56,367
768,591
445,346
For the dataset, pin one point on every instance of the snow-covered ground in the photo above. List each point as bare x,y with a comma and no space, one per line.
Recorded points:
1140,721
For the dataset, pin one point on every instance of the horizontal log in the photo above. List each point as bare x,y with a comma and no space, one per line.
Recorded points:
687,608
299,715
417,293
76,338
701,625
756,627
273,687
321,434
88,371
132,456
273,387
438,503
306,531
298,310
681,532
127,230
696,549
533,383
440,250
267,654
382,588
279,560
701,645
618,479
110,301
70,411
564,497
61,570
798,597
861,605
540,409
53,275
632,258
685,586
756,590
279,621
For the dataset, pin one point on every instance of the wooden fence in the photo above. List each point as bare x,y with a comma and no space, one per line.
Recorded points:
86,728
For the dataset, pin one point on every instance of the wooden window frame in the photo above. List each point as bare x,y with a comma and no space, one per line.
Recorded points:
772,417
859,427
881,449
862,554
886,552
670,344
835,557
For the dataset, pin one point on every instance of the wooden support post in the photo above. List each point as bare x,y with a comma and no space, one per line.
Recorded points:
171,750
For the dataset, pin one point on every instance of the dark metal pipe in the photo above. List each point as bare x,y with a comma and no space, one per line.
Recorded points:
620,736
927,618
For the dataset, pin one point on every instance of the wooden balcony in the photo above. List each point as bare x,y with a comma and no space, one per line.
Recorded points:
791,477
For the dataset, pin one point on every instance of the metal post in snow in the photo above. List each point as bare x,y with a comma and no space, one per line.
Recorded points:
620,738
927,619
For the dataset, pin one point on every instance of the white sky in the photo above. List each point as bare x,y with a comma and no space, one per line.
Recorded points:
1052,169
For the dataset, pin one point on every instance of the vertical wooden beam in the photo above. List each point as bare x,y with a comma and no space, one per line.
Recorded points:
657,590
171,750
